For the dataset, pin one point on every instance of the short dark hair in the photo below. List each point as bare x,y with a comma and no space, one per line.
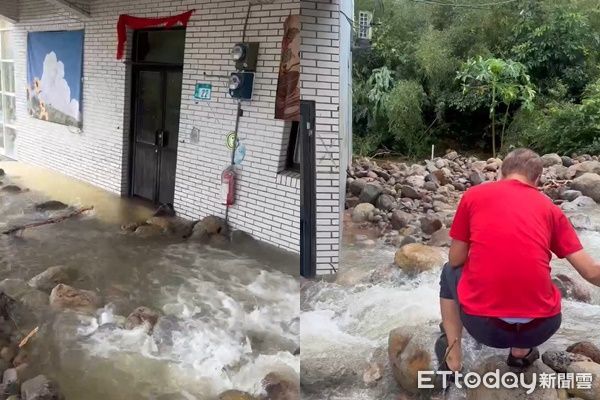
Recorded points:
525,162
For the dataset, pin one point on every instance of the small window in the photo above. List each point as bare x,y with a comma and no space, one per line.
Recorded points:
293,152
365,19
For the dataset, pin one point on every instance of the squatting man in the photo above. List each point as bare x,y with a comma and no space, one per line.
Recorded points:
497,283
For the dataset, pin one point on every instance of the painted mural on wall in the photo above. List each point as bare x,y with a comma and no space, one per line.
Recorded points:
54,71
287,101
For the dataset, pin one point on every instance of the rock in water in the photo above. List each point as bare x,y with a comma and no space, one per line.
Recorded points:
362,212
236,395
147,230
586,367
408,354
589,185
51,205
416,257
279,387
587,349
560,360
551,159
11,189
370,193
142,316
517,392
67,297
51,277
210,227
571,289
40,388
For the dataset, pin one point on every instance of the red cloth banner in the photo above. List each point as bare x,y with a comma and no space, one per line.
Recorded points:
127,21
287,101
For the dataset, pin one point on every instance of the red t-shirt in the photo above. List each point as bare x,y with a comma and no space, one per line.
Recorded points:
512,229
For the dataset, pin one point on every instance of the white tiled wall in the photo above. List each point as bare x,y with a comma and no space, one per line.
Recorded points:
321,83
267,205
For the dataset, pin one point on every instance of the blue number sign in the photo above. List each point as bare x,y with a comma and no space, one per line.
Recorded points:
203,91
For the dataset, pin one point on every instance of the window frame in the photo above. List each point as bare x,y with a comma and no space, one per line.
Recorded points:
5,125
293,147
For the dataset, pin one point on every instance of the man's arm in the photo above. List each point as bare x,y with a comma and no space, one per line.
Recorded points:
459,251
586,266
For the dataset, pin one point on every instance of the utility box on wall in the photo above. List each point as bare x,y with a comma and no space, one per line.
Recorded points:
241,85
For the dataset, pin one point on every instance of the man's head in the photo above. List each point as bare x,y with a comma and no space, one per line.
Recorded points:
524,163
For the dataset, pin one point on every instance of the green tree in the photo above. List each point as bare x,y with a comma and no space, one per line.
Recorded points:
498,81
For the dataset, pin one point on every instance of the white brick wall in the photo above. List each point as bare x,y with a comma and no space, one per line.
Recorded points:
321,83
268,201
9,9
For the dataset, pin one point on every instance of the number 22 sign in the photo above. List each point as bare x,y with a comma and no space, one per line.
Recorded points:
203,91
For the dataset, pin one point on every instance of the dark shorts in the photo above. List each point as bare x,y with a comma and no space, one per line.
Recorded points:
494,332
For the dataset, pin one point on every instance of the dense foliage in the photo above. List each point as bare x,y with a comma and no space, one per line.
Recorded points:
525,72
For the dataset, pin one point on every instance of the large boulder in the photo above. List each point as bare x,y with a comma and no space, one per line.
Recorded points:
362,212
518,392
551,159
559,361
66,297
386,202
52,276
589,185
172,225
51,205
578,203
440,238
356,186
142,316
431,223
571,288
40,388
400,219
589,368
370,193
409,192
416,257
585,167
587,349
279,387
211,230
476,178
408,353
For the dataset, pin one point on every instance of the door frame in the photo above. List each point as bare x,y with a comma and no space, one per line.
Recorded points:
136,67
308,189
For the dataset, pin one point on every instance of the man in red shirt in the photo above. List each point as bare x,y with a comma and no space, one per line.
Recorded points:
497,283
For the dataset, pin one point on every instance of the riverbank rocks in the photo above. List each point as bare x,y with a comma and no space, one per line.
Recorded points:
587,349
497,362
408,354
211,230
279,387
52,276
66,297
385,202
589,185
586,367
370,193
50,205
559,361
363,212
551,159
440,238
430,224
142,316
585,167
571,288
400,219
416,258
236,395
40,388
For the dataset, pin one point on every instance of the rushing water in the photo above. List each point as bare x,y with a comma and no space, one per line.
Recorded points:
350,320
230,316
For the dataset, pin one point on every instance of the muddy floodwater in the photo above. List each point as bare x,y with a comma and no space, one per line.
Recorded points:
230,316
350,319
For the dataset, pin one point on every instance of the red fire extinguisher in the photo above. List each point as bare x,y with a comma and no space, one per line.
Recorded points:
228,186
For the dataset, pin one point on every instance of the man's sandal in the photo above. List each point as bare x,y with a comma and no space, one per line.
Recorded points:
524,362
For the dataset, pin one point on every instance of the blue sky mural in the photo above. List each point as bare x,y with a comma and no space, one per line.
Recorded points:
55,59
